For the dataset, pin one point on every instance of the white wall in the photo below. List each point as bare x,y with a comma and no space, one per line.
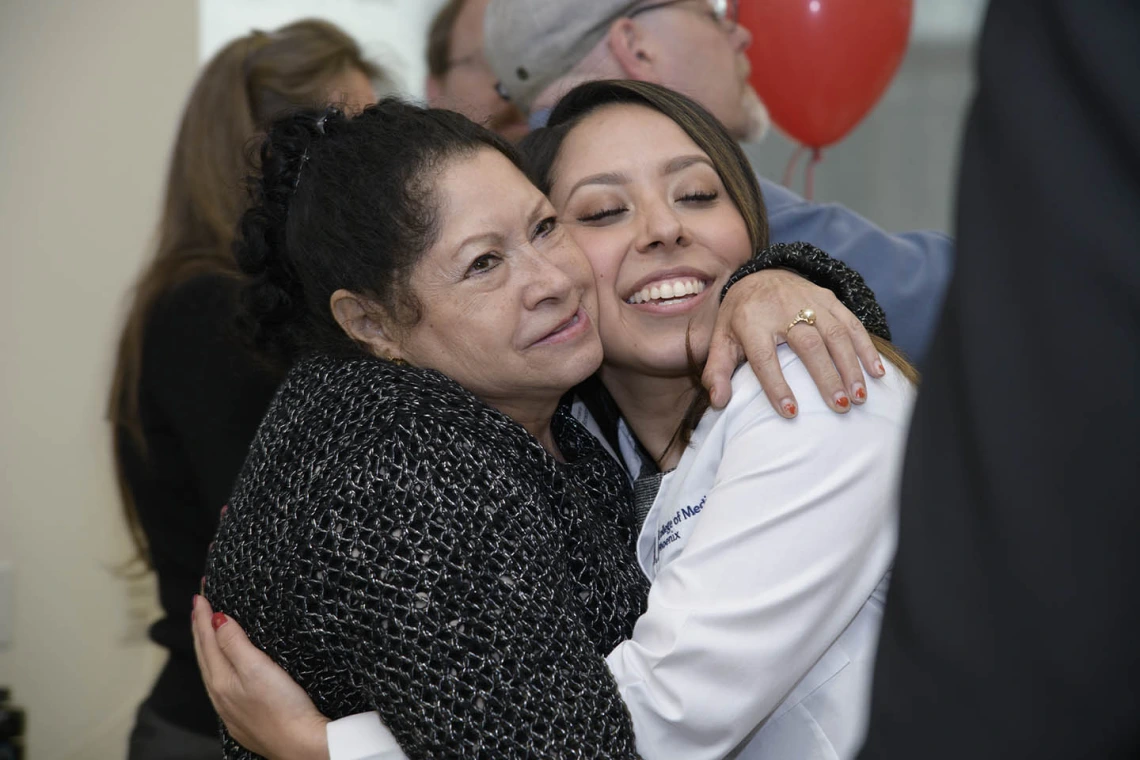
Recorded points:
90,93
392,32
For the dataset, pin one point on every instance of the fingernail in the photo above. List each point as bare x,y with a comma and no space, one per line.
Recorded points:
202,586
714,398
789,407
225,508
218,620
841,400
879,367
860,393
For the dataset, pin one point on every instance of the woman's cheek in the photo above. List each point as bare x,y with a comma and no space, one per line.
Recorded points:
605,257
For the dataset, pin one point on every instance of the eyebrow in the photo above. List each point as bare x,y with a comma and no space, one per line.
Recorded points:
604,178
684,162
672,166
536,211
494,237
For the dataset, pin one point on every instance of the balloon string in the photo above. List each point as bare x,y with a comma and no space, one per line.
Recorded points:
809,173
790,171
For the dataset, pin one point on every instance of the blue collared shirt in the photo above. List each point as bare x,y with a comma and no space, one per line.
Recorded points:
908,271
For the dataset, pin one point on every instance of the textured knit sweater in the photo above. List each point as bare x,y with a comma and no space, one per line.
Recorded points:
397,545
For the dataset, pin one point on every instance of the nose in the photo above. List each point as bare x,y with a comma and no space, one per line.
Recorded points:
741,38
661,229
546,282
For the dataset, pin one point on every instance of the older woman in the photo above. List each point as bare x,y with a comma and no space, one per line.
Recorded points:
462,550
768,542
419,525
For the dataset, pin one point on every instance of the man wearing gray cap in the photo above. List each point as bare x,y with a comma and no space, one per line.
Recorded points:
540,49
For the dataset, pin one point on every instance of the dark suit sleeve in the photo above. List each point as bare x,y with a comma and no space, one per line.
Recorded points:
1012,628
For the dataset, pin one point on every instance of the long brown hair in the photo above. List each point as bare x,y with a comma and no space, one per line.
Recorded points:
250,81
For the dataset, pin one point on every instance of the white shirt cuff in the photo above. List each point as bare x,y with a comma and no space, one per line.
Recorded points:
362,737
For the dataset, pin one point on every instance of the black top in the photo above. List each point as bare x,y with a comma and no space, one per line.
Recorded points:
397,545
1012,627
201,399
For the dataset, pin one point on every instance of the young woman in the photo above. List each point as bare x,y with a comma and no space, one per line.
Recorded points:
768,541
186,397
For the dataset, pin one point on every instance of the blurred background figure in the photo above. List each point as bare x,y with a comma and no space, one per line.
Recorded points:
458,75
186,396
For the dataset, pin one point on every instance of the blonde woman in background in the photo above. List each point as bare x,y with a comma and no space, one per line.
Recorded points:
186,397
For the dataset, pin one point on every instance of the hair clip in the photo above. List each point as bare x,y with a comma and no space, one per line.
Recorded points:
320,125
305,156
301,165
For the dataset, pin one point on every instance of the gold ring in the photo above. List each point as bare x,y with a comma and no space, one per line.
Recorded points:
805,315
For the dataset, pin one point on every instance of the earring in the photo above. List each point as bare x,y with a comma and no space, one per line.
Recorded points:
397,360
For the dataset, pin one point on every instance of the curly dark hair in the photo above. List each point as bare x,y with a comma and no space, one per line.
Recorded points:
344,203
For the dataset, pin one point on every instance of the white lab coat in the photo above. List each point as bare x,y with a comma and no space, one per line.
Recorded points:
769,548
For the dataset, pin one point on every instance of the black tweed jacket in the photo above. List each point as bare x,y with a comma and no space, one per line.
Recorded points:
397,545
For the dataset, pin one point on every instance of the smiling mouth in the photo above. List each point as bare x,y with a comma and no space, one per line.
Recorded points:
567,324
566,330
669,292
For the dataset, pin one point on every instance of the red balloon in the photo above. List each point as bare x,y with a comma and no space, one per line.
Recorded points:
819,65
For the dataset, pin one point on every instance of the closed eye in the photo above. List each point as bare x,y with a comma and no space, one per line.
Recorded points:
598,216
700,196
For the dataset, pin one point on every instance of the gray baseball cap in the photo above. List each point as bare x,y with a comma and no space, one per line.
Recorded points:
531,43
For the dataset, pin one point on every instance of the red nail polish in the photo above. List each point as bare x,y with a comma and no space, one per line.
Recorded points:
218,620
790,409
879,366
225,508
860,394
843,402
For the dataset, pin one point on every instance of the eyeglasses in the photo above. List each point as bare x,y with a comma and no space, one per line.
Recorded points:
724,12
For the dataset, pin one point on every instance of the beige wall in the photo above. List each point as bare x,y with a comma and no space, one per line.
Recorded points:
89,97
